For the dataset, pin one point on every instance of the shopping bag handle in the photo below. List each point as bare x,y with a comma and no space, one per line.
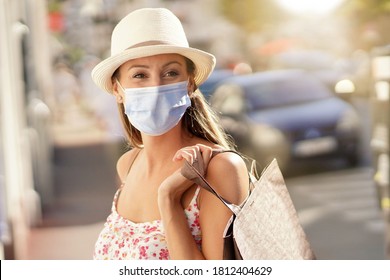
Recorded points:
190,172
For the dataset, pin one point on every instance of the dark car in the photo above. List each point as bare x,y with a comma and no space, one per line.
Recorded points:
286,114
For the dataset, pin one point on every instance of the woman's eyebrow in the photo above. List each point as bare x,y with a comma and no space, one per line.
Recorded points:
172,62
137,66
147,66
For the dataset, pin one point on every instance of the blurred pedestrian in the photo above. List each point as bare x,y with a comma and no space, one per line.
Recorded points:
157,213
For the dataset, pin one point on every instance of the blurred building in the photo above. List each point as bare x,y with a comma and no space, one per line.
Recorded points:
380,130
25,112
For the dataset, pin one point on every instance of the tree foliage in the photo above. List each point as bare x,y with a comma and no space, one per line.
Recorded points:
251,15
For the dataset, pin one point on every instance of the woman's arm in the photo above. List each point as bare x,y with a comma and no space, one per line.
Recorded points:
181,243
228,175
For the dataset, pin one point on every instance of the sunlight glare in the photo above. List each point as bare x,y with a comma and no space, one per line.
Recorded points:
309,6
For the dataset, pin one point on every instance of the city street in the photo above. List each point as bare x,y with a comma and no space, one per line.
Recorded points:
340,214
60,135
338,208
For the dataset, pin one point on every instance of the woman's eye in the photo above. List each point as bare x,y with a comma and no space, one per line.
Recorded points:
171,74
139,76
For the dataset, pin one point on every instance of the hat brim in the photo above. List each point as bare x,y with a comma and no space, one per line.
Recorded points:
102,72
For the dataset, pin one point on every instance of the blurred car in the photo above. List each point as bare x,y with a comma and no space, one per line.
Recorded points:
286,114
209,86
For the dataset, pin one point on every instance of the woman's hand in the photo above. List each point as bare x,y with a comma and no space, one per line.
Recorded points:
198,154
173,187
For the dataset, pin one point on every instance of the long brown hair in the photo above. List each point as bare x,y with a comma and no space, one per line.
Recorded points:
199,119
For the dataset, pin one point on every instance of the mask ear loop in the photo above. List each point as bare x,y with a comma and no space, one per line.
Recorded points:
191,86
119,84
191,111
190,93
118,96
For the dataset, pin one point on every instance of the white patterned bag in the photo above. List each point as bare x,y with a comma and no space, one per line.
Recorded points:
266,226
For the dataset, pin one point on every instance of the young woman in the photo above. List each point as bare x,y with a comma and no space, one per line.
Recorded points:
157,213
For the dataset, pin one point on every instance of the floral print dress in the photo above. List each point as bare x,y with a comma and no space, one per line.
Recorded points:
122,239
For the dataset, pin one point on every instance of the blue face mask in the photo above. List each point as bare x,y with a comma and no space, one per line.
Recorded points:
156,110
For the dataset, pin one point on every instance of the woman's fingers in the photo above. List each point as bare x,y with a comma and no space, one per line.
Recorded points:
206,153
192,153
198,156
184,154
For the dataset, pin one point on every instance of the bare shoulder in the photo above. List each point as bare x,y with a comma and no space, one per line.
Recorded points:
227,160
125,161
228,174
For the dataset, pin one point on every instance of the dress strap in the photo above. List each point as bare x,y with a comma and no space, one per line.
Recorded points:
194,200
130,163
198,188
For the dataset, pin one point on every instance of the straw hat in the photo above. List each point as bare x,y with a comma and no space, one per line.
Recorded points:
146,32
